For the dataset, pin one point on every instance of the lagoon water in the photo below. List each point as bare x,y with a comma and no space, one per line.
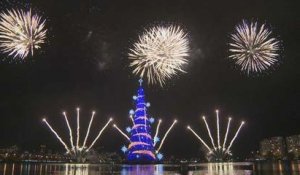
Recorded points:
244,168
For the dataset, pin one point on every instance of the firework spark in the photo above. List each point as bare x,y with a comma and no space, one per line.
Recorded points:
99,134
21,32
57,136
226,134
160,54
253,48
70,130
89,128
157,130
77,150
209,133
202,141
115,126
218,153
165,136
235,136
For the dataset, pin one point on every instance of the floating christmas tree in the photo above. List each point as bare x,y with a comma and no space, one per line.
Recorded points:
141,148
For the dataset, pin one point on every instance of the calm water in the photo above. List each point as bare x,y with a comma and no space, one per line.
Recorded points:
193,169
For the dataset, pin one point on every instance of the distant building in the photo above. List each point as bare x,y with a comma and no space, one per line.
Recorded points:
293,146
10,150
273,148
42,149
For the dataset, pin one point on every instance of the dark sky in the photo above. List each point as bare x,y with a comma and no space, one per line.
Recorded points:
84,63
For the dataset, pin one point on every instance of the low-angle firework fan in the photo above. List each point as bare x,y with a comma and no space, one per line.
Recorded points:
160,53
253,48
21,32
74,149
218,151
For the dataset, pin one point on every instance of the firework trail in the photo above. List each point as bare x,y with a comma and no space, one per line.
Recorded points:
157,129
165,136
219,152
209,133
160,54
89,128
253,48
115,126
99,134
218,128
77,149
70,130
226,134
58,137
78,129
235,136
21,32
202,141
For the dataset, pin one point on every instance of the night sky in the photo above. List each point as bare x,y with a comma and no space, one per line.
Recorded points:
84,64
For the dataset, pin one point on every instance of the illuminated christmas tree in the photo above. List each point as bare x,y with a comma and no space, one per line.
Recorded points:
141,148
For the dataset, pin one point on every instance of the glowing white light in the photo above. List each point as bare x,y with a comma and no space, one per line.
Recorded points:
157,130
89,128
209,133
115,126
160,53
159,156
98,136
21,32
218,128
131,112
78,129
70,130
253,48
58,137
128,129
201,140
227,130
156,139
151,120
131,118
220,152
124,149
165,136
235,136
77,149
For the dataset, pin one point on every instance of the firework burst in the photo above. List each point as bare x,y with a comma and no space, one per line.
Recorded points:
253,48
21,32
160,53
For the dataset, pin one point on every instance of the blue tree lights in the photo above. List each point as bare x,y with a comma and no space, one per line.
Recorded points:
141,148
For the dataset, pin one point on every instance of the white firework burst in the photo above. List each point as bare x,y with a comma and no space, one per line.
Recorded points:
160,53
21,32
253,48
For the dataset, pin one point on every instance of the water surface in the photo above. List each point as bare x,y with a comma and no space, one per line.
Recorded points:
245,168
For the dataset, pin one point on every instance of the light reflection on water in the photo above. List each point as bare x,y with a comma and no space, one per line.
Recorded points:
280,168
